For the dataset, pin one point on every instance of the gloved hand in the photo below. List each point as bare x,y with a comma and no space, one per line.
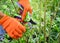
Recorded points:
27,7
12,27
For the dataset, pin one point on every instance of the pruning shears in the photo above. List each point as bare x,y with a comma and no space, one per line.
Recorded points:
28,15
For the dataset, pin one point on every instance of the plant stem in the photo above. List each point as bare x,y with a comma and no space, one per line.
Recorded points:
40,19
45,8
14,6
51,17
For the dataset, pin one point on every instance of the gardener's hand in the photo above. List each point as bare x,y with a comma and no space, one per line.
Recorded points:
27,7
12,27
1,14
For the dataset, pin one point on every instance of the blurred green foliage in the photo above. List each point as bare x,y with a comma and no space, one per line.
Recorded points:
46,13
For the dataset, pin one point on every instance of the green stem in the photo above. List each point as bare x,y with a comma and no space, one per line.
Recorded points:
40,19
59,38
45,8
14,6
59,32
51,17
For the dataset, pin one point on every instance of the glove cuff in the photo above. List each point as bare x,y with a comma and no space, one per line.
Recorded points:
3,19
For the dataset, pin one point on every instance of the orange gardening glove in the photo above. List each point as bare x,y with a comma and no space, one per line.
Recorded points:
12,27
27,7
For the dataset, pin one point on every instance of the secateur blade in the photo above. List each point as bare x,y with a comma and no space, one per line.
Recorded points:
32,22
20,6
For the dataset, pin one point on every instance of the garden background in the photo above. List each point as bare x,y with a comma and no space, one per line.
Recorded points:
46,13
